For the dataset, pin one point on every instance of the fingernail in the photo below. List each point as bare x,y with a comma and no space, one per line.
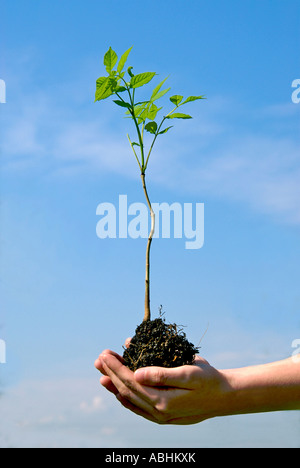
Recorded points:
139,374
100,360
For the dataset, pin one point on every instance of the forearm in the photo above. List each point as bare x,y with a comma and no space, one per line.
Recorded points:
263,388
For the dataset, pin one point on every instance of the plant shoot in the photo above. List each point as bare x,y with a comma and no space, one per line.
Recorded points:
121,83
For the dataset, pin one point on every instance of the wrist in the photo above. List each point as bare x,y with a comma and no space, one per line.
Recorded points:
262,388
244,390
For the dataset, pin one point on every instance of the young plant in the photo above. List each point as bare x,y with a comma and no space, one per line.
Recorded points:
155,343
123,85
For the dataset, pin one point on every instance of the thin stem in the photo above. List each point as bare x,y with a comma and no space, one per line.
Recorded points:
136,124
143,127
154,140
120,97
140,140
147,315
157,133
134,153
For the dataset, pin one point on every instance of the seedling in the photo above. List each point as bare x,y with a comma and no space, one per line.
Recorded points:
123,85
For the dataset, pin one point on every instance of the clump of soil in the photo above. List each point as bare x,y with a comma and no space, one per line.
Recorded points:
159,344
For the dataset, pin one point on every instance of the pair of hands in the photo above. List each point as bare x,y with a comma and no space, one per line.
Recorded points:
180,395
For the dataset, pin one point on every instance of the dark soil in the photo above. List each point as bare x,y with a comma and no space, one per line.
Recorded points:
159,344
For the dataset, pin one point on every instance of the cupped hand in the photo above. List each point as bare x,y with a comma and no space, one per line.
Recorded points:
181,395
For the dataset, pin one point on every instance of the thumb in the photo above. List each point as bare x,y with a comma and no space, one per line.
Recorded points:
179,377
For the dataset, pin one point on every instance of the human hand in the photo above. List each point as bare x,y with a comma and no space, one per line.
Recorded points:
180,395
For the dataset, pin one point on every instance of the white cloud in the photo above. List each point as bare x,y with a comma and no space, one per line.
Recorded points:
93,146
97,404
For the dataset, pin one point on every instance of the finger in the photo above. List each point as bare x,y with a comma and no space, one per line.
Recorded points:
140,412
183,377
99,363
127,342
123,379
107,383
113,353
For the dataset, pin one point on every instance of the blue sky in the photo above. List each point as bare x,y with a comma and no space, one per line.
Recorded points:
66,294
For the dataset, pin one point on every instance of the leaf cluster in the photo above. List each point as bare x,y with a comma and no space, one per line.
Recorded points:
123,84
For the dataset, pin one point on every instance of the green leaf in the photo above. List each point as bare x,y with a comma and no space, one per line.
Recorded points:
139,108
193,98
104,88
120,89
152,112
179,116
176,99
123,60
110,60
151,127
143,102
141,79
101,80
136,109
146,111
165,130
160,94
157,89
142,117
123,104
